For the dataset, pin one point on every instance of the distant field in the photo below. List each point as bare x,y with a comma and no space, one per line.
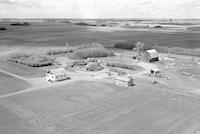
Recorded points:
21,70
103,108
10,84
55,34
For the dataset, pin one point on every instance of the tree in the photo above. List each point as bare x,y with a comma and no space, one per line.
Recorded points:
139,47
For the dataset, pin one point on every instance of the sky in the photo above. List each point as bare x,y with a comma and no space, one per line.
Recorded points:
99,8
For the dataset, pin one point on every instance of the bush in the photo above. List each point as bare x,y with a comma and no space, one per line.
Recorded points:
116,70
85,24
21,24
79,63
158,26
73,56
59,51
3,28
124,66
93,45
93,53
125,45
94,67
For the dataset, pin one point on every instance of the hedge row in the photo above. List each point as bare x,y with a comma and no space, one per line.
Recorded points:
175,50
120,65
125,45
59,51
116,70
92,45
92,53
32,64
31,60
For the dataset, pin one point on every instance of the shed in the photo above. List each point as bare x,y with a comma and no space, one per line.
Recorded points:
124,81
151,55
57,74
154,71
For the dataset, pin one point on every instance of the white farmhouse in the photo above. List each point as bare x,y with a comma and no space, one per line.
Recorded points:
58,74
124,81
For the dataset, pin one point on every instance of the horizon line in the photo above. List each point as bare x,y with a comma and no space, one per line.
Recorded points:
101,18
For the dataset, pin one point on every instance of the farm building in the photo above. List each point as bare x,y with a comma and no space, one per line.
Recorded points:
154,71
124,81
198,62
58,74
151,55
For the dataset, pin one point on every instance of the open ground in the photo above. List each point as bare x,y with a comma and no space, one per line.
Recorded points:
90,102
57,34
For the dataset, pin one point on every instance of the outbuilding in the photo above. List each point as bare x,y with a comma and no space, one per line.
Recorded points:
57,74
154,71
124,81
198,62
151,55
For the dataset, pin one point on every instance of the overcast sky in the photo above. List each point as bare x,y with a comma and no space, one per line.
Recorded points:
100,8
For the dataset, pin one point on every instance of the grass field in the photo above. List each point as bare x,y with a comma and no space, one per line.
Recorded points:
10,84
102,108
10,123
171,106
21,70
55,34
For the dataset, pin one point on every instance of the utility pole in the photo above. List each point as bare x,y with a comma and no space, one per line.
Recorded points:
121,57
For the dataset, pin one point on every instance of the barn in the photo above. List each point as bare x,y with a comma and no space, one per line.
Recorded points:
57,74
151,55
124,81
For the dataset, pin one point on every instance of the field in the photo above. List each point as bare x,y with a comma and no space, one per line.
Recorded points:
11,84
90,105
100,107
21,70
90,102
57,34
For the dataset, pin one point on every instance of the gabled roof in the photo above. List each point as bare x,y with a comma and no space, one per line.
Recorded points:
122,78
57,71
155,69
153,53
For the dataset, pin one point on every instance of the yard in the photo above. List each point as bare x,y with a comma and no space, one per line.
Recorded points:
101,107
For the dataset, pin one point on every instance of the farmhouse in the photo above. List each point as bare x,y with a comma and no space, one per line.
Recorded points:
151,55
58,74
124,81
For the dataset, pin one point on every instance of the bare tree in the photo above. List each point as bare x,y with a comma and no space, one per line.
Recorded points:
140,47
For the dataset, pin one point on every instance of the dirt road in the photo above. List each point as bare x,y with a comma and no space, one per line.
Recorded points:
14,75
10,51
